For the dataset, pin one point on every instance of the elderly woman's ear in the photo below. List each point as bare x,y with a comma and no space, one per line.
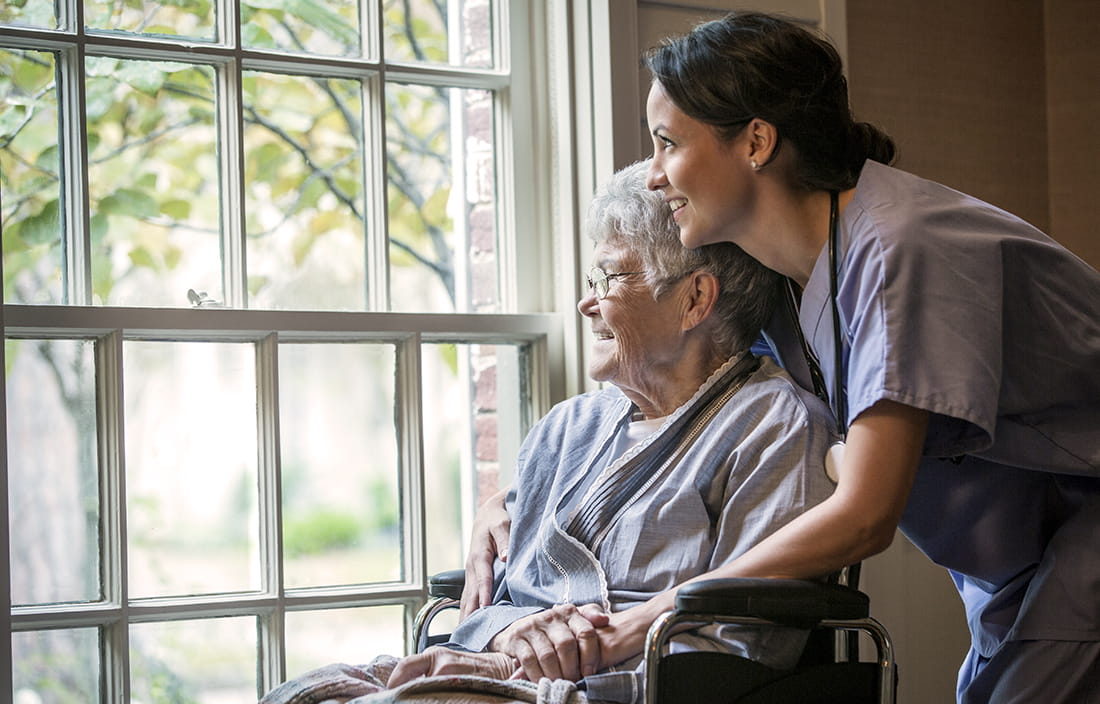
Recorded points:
700,293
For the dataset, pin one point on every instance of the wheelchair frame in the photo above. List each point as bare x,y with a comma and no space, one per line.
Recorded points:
787,602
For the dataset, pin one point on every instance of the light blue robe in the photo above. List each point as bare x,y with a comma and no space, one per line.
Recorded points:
756,465
953,306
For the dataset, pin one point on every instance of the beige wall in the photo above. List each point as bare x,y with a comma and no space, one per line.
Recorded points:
995,98
960,87
1072,31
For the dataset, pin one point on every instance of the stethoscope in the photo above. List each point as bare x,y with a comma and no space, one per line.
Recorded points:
837,400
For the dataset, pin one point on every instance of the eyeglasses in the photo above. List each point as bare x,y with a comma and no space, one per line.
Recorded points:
600,281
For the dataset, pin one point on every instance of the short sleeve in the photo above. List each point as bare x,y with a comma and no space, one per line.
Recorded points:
920,306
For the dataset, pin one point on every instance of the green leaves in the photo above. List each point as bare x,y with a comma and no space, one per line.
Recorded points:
129,202
176,209
146,76
43,227
14,113
295,25
155,165
319,531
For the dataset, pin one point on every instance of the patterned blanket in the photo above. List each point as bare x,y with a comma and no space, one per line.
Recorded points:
366,684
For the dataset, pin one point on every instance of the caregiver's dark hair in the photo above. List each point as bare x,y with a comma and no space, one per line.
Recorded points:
754,65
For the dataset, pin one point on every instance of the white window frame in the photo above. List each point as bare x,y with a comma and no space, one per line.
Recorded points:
531,319
111,327
5,537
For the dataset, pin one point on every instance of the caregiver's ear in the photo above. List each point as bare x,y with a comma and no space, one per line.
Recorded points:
763,142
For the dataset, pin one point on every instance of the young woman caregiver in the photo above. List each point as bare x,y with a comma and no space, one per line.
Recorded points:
958,345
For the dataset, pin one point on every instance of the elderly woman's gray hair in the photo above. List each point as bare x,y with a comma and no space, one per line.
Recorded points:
626,212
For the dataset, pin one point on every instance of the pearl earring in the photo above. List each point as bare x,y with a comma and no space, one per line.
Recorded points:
754,165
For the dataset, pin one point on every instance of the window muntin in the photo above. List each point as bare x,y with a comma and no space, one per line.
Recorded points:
196,411
270,197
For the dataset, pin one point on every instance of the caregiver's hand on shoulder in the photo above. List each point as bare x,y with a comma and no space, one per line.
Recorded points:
560,642
488,540
444,661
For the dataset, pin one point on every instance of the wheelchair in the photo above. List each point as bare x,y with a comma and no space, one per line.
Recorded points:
828,672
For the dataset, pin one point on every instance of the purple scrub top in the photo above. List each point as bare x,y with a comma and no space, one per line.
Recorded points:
956,307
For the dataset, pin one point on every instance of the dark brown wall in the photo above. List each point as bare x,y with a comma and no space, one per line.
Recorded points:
960,87
1073,99
996,98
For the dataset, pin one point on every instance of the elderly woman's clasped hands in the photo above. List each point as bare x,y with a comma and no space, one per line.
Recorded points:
560,642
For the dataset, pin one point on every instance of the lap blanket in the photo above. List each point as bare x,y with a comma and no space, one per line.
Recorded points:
366,684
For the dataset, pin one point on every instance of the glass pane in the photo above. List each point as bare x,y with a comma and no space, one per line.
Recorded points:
476,412
56,667
341,515
191,475
442,194
29,13
352,636
304,192
209,662
153,182
53,484
329,27
457,32
30,191
179,18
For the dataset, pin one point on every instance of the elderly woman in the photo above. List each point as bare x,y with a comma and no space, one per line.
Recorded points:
693,452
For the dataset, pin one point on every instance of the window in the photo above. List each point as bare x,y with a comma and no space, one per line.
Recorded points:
262,319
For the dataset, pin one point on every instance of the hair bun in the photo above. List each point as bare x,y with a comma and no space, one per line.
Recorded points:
872,143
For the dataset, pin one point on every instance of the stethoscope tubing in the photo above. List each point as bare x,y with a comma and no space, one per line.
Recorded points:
837,400
839,396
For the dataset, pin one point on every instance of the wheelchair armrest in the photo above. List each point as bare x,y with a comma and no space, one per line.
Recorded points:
448,584
790,602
